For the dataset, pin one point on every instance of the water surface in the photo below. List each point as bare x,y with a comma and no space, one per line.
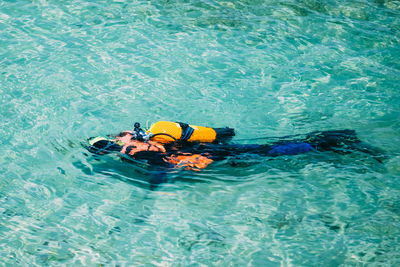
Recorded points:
74,69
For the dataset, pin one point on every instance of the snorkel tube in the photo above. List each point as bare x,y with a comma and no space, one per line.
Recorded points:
138,133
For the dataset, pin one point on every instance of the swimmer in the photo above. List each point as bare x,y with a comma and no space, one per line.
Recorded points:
178,145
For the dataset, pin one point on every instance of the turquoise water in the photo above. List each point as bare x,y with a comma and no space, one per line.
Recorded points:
74,69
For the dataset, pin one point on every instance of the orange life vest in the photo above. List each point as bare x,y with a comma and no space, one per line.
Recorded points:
138,146
187,161
194,162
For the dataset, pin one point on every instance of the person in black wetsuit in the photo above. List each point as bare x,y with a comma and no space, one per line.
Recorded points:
198,155
163,157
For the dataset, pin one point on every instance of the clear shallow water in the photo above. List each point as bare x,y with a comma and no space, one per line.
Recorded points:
70,70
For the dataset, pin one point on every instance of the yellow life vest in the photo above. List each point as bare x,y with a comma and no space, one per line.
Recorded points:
166,132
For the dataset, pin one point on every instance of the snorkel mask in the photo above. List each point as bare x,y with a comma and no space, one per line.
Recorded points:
100,145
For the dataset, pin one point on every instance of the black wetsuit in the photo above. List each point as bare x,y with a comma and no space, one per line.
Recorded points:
339,141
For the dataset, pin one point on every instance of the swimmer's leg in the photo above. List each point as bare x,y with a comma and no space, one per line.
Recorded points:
376,153
342,142
339,141
275,149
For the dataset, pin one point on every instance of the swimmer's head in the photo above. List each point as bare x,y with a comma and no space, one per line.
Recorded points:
100,145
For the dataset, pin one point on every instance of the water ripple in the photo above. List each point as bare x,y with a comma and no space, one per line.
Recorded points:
69,71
